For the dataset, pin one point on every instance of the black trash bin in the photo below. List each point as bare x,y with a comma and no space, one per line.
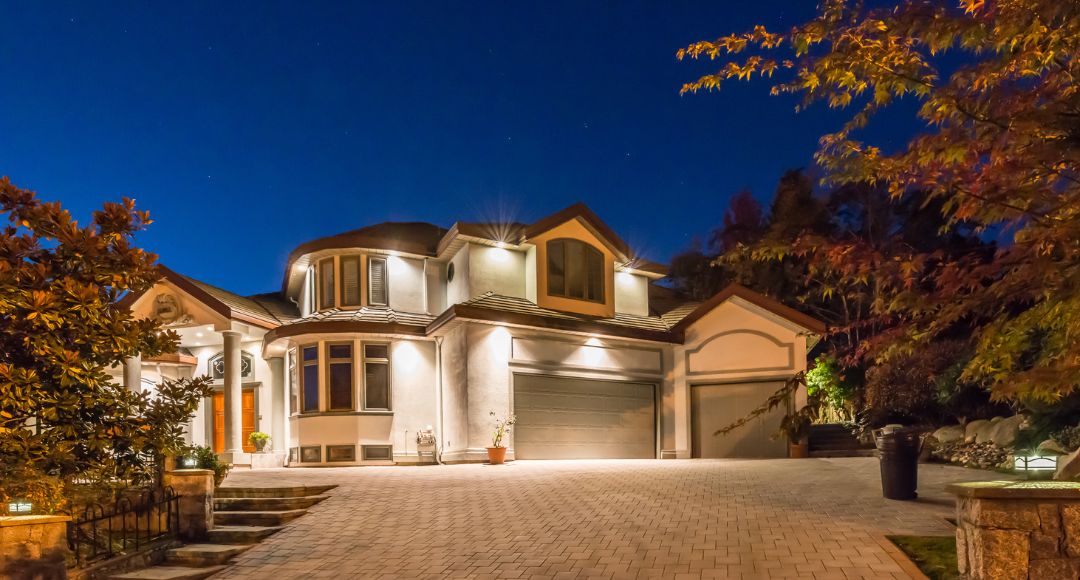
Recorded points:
898,452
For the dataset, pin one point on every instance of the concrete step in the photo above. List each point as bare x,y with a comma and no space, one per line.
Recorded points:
240,534
169,573
252,518
202,555
265,504
284,491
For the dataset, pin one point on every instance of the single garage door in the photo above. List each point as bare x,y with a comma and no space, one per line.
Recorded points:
714,407
560,418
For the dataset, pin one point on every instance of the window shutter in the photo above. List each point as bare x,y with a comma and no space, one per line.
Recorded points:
377,276
350,281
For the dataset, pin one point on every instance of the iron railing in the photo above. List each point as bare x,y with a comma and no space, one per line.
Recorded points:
98,532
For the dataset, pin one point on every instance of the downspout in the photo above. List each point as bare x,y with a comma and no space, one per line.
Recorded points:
438,400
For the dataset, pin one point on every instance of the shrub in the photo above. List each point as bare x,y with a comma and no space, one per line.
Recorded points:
205,458
835,387
915,387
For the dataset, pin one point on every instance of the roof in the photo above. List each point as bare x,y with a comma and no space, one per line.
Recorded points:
430,240
263,310
498,308
760,300
410,237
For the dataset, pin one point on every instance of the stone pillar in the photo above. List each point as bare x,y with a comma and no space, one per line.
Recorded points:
1017,529
233,402
277,404
196,490
133,373
34,544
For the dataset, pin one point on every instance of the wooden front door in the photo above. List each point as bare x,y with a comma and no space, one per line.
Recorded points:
247,414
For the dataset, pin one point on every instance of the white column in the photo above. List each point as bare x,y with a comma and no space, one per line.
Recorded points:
277,404
233,403
133,373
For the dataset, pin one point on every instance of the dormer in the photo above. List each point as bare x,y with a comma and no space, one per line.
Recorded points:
582,266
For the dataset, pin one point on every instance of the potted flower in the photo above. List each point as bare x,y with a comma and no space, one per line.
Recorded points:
497,453
258,439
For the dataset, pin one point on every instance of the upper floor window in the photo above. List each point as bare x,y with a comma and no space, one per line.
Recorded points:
575,270
350,280
326,283
377,291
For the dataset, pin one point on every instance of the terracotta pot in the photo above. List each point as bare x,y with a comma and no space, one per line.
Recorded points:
799,450
496,455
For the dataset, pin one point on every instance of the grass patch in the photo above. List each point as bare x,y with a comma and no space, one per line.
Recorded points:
934,555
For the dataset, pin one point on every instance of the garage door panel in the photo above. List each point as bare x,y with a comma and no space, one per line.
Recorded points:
562,418
716,406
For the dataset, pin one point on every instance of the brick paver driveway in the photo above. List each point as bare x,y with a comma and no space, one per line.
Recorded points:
813,518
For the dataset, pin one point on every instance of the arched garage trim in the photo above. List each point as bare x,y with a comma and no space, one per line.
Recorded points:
788,346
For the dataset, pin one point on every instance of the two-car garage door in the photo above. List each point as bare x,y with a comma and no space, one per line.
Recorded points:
570,418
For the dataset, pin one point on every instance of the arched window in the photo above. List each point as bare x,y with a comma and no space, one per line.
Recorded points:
575,270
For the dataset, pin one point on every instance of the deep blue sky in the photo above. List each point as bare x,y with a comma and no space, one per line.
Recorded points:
247,129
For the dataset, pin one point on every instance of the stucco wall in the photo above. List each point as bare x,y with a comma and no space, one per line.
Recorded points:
457,290
435,277
498,270
631,294
406,284
455,379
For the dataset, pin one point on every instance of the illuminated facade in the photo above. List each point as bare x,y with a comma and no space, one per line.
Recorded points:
384,331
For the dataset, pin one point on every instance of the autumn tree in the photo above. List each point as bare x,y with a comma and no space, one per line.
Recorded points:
62,416
997,152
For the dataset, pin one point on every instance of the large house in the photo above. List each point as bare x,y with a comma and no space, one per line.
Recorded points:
390,330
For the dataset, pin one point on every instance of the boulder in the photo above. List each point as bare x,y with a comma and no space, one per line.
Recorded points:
1004,432
1051,447
972,428
995,419
985,432
1068,466
948,434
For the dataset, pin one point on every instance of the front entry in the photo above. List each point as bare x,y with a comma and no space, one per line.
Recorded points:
247,412
564,418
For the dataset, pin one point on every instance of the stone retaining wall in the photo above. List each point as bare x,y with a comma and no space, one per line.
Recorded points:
1018,530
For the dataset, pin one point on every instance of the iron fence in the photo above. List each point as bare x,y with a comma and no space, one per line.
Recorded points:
98,532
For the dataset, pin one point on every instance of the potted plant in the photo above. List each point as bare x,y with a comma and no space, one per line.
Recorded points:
259,440
497,453
797,429
205,458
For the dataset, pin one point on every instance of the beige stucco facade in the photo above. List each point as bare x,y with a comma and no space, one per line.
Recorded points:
468,320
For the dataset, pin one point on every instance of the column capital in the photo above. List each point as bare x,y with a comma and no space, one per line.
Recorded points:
230,333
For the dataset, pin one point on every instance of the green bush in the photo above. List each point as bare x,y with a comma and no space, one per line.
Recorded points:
835,387
205,458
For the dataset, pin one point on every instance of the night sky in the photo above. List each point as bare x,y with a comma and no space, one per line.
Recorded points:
248,129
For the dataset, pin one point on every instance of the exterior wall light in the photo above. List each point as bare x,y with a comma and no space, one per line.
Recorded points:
1035,464
20,506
